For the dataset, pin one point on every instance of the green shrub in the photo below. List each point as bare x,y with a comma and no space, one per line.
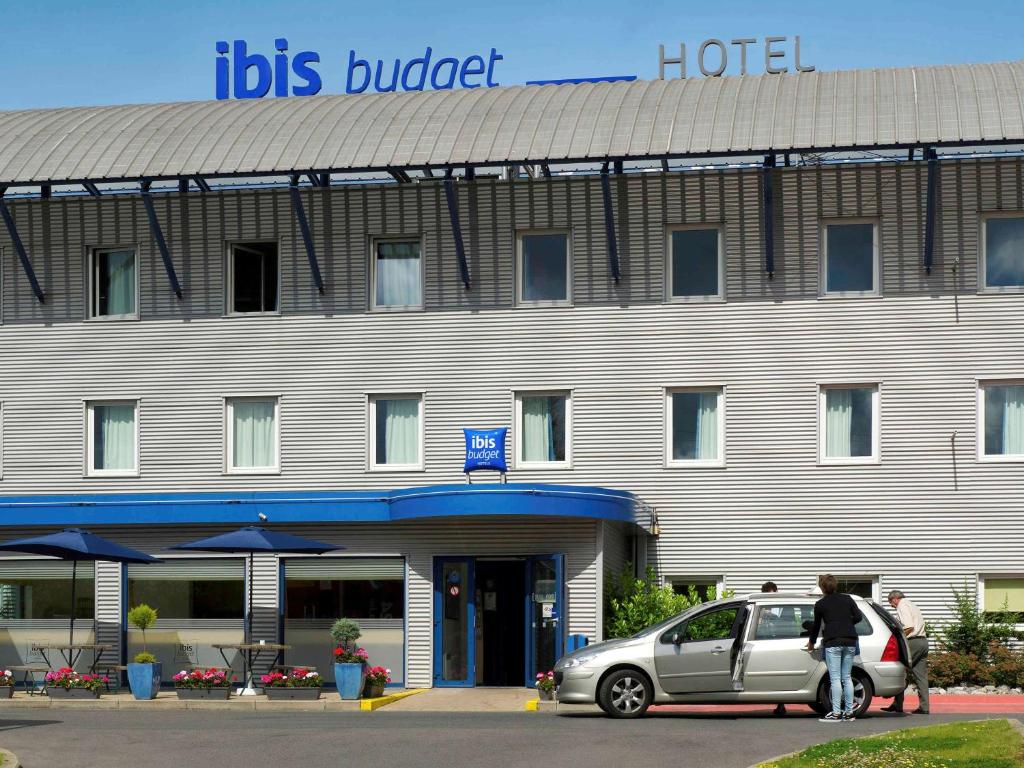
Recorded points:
345,632
973,631
145,657
142,617
632,604
953,668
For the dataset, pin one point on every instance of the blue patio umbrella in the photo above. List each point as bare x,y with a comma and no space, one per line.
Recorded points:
253,539
74,544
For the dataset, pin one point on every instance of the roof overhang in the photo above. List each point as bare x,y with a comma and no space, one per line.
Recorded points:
425,503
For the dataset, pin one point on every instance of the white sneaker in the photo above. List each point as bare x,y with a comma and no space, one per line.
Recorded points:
831,717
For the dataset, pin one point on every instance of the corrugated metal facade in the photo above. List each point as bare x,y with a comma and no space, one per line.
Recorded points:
927,516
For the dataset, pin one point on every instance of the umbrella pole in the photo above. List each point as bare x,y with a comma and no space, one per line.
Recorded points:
74,579
252,556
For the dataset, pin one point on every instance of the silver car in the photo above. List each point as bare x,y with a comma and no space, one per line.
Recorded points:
739,650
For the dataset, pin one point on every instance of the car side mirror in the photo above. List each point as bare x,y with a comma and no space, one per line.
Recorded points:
808,625
677,638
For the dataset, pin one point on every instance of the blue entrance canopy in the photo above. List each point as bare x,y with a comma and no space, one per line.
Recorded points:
428,502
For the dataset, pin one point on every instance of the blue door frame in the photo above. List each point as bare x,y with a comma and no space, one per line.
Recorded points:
529,609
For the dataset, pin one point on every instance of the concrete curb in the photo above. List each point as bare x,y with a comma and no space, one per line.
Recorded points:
369,705
537,705
10,759
1015,724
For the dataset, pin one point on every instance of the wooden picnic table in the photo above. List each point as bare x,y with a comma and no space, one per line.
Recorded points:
72,651
251,653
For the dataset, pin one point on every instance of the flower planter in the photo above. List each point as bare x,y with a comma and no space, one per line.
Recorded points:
58,692
6,691
350,679
282,693
546,695
144,680
373,691
215,694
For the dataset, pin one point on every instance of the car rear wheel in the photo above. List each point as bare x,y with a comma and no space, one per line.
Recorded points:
863,692
625,693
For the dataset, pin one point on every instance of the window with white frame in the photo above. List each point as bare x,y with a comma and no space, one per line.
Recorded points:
112,437
1001,410
543,428
113,283
696,263
1002,260
696,426
397,274
544,268
848,423
1003,596
704,588
252,277
396,432
862,586
850,258
253,434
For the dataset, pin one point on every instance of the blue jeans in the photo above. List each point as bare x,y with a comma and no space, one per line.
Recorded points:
840,664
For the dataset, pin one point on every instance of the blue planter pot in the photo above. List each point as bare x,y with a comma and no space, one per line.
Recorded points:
350,678
144,680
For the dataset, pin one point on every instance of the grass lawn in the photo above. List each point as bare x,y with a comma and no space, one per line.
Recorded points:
984,744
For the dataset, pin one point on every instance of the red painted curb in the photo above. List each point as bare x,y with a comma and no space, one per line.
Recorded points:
940,704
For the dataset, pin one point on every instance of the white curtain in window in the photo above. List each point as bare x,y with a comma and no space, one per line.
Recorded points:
538,429
401,431
707,427
253,439
398,275
838,423
1013,421
114,447
121,283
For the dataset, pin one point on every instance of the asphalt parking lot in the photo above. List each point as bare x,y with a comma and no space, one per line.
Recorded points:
172,739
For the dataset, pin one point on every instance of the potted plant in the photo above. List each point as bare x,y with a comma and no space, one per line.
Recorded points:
376,679
6,684
546,685
145,671
349,661
300,684
65,683
210,683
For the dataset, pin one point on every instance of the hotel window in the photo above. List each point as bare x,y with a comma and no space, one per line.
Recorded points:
252,426
696,427
1002,416
396,432
544,420
1002,253
862,586
201,603
252,278
1003,596
113,283
848,424
397,274
544,269
705,589
850,260
696,263
112,438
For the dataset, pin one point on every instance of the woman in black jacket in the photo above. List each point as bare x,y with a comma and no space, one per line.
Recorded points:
836,616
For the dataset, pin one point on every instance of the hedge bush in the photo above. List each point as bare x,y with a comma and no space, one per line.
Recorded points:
632,604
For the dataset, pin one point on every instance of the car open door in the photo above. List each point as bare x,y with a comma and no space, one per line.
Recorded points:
696,655
777,656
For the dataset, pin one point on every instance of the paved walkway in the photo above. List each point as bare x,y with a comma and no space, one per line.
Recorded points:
946,704
465,700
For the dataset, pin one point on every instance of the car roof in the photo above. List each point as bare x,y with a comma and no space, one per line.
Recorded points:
761,597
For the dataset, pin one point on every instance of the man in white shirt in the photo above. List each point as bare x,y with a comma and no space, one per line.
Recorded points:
912,621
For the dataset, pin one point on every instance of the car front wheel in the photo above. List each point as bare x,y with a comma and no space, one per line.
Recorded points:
863,692
625,693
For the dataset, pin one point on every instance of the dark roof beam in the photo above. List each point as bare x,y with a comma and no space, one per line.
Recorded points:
399,175
453,214
91,188
19,247
201,183
158,235
609,224
931,208
768,213
307,235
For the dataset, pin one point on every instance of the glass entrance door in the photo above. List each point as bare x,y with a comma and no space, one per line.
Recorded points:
545,614
454,622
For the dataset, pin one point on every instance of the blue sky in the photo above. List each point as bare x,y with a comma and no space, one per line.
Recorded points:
62,53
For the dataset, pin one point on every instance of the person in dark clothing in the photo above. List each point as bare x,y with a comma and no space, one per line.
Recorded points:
769,586
836,616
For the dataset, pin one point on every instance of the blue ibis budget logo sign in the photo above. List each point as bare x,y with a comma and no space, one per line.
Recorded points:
249,75
485,449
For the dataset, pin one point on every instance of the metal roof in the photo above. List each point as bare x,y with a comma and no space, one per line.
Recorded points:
968,104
